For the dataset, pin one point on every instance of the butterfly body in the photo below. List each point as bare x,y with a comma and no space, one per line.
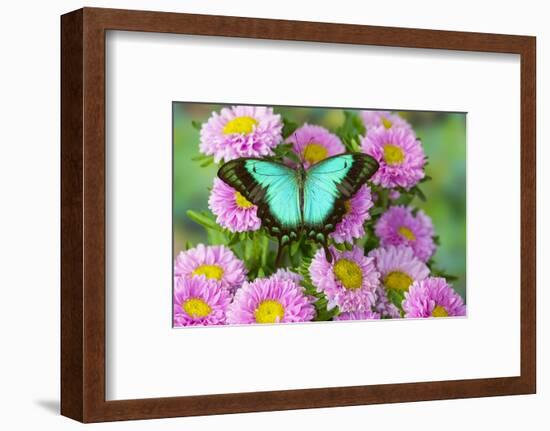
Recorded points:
294,201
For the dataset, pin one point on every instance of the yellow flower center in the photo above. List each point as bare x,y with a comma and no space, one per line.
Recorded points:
269,311
242,202
439,311
314,153
397,280
347,206
406,233
242,125
349,274
209,271
386,123
393,155
196,307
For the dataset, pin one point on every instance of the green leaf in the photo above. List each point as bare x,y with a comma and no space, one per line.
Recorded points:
199,157
340,246
322,312
404,199
293,156
358,124
264,244
371,243
376,211
419,193
233,239
294,246
288,128
203,220
396,297
441,273
282,149
350,131
196,125
286,151
207,162
216,237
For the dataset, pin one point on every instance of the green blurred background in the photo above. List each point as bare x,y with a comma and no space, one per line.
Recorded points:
443,136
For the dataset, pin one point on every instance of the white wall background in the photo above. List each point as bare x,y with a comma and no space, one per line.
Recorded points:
29,220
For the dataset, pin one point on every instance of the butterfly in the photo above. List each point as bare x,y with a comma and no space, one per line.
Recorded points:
293,202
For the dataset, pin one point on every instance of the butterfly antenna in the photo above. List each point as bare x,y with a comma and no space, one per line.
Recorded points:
301,155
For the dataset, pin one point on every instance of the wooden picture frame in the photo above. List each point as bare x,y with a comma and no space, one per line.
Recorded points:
83,386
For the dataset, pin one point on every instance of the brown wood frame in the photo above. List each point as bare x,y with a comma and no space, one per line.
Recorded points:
83,214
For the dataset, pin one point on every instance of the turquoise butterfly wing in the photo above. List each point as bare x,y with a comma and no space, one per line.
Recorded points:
273,187
327,186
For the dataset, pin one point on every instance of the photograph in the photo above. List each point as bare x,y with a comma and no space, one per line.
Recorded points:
288,214
272,216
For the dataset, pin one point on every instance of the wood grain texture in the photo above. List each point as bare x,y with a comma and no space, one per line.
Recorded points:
528,216
83,214
72,353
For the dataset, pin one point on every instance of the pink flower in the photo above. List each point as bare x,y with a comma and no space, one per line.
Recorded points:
399,268
286,274
315,143
241,131
358,315
399,154
270,300
216,262
232,210
199,301
433,297
394,195
349,282
399,226
384,119
357,212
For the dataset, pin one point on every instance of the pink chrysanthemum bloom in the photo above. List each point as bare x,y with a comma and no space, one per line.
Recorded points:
199,301
399,226
385,119
215,262
383,306
349,282
394,195
433,297
241,131
399,154
358,315
232,210
357,211
399,268
315,143
287,274
270,300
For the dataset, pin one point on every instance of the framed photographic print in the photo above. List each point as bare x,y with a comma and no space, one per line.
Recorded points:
267,215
